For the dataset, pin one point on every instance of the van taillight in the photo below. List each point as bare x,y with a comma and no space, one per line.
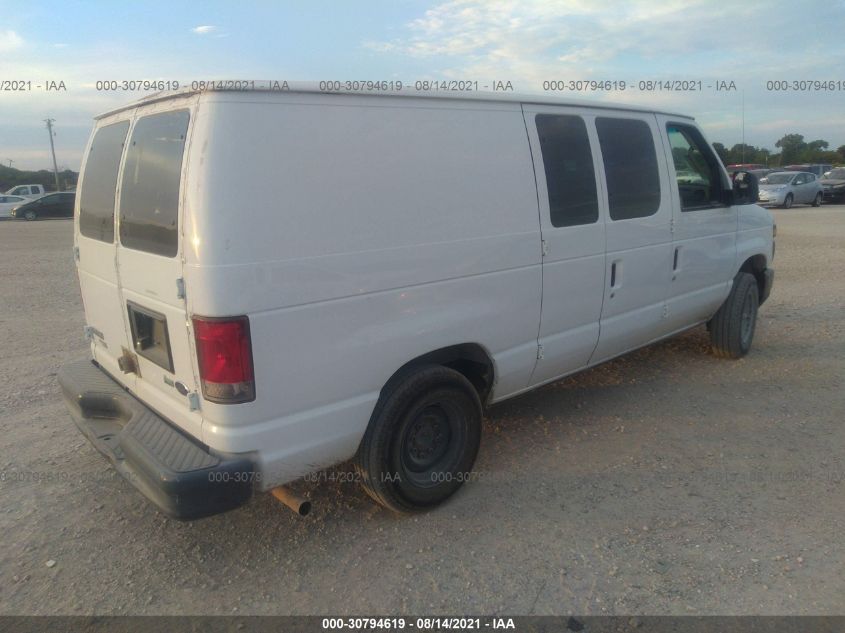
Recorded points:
224,355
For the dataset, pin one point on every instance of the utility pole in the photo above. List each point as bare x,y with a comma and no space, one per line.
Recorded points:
10,162
743,126
49,123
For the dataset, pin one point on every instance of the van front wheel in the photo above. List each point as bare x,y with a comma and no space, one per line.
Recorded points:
422,440
732,327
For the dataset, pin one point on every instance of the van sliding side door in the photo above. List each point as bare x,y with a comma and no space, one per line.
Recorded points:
572,221
639,238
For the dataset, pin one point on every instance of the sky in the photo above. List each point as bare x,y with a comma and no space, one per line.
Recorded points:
524,42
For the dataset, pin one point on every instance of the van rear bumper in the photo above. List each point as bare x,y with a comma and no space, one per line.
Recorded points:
182,476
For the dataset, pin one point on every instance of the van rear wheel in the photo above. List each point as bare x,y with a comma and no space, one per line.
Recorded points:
422,439
732,327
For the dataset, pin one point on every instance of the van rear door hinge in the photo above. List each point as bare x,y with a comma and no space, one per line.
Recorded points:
90,332
76,253
180,288
539,352
544,245
672,225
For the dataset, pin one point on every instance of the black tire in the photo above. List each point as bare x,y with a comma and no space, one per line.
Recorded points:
817,201
422,439
732,327
787,202
30,215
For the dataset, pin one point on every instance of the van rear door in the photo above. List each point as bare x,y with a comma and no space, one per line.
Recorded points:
130,257
94,246
149,259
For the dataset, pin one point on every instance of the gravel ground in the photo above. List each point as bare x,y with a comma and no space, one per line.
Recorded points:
665,482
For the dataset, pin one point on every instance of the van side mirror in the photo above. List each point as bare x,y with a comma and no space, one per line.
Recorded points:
746,189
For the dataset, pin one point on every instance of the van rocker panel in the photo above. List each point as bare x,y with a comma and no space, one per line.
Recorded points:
183,477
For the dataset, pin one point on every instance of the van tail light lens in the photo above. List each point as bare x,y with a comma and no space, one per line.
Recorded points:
224,355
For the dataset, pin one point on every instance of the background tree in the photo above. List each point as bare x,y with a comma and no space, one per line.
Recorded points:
10,177
791,146
817,145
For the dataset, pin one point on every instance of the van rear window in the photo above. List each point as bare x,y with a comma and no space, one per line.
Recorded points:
630,166
96,203
149,194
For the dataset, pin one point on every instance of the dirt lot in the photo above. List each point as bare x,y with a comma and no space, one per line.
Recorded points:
664,482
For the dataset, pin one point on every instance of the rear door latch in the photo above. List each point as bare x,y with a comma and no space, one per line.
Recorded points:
128,362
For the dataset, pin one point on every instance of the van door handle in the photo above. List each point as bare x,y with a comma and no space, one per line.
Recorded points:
675,259
615,277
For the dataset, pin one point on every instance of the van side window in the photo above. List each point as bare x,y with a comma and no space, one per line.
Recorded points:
149,193
96,204
630,167
696,169
570,174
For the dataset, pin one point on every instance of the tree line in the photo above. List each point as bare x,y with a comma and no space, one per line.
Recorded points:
11,177
793,150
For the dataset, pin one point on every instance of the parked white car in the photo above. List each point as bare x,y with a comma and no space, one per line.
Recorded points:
27,191
7,203
785,188
288,280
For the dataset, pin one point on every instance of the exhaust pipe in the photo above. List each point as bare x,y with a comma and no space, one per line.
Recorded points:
296,503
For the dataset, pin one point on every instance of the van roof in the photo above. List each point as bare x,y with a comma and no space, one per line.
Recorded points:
266,87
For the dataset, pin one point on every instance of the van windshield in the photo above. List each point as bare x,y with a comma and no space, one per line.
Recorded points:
149,197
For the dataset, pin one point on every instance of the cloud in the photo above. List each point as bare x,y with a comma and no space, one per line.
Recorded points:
528,39
531,41
209,30
9,41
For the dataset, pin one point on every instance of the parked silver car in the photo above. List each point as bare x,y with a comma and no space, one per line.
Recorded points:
785,188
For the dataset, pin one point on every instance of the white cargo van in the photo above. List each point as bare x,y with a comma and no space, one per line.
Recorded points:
275,282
